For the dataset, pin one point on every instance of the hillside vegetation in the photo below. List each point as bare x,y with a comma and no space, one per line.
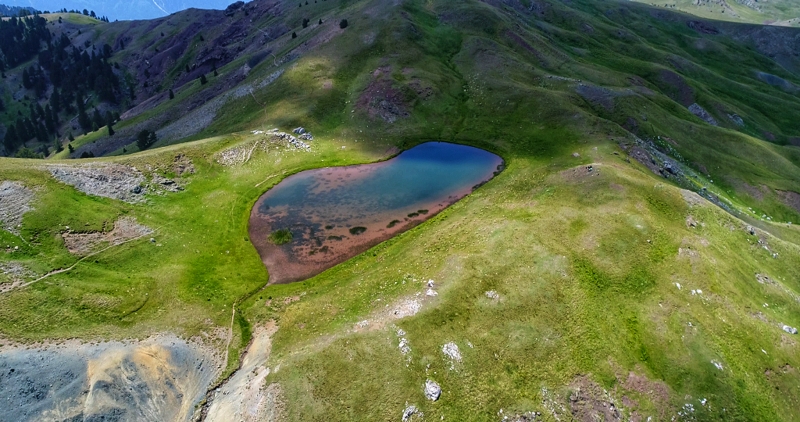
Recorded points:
774,12
636,258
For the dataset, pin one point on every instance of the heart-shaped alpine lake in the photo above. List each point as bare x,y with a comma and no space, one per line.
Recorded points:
318,218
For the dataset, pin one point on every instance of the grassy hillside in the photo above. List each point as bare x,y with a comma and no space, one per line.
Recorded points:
631,253
776,12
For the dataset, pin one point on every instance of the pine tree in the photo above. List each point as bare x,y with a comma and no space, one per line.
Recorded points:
203,80
97,119
11,140
171,94
110,123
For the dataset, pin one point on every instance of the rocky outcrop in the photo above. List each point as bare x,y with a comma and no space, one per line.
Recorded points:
702,114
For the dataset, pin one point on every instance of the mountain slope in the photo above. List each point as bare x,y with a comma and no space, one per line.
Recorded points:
636,258
124,10
774,12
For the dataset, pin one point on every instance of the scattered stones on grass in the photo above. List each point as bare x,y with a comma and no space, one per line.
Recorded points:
125,229
520,417
451,351
430,283
17,275
241,154
763,279
404,347
15,200
717,364
407,307
751,230
491,294
114,181
790,330
410,412
182,165
431,293
432,390
686,411
303,134
159,182
696,292
589,401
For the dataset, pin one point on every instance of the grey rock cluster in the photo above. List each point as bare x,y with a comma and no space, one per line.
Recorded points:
702,114
409,412
432,390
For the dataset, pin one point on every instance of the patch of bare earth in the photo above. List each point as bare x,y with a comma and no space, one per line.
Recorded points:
790,198
693,199
589,402
15,275
15,200
162,378
399,309
245,396
656,391
124,229
382,100
182,165
272,139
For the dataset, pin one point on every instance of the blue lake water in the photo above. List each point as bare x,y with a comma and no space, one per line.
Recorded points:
335,213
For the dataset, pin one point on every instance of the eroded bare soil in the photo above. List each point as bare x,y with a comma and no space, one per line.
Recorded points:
160,379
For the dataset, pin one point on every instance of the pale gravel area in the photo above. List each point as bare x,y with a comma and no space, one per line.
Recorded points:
242,153
245,396
114,181
161,378
15,201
